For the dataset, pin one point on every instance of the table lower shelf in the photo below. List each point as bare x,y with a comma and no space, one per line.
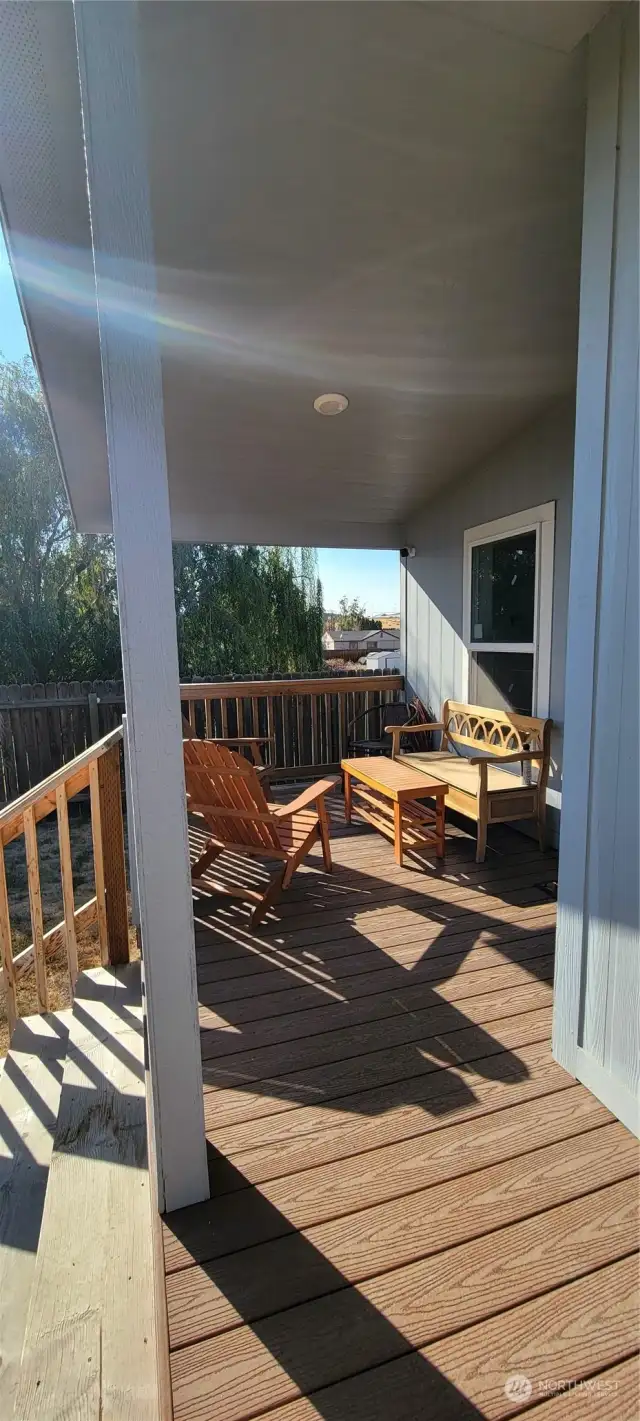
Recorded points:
420,825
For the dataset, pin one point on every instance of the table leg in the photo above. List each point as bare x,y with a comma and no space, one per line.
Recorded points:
347,797
397,832
440,826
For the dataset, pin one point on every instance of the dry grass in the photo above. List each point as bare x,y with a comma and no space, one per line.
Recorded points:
84,887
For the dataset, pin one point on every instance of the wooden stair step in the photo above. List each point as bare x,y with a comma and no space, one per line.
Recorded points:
93,1280
30,1087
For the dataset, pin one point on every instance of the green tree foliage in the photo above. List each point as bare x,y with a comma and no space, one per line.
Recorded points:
58,617
351,617
247,610
240,610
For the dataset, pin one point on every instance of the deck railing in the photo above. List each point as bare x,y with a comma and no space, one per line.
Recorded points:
97,769
44,727
307,724
306,721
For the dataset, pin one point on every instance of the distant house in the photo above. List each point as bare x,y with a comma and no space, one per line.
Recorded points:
356,643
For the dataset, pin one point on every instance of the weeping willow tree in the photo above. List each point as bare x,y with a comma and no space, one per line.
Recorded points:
247,610
240,610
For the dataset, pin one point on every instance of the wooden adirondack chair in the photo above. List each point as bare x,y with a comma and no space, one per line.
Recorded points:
224,789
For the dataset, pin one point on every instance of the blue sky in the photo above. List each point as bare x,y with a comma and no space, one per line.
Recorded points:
13,338
373,577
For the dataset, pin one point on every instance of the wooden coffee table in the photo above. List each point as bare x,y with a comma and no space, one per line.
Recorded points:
389,796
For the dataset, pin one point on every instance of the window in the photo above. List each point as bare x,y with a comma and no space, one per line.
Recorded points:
508,592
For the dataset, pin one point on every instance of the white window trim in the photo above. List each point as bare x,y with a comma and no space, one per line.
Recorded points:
541,520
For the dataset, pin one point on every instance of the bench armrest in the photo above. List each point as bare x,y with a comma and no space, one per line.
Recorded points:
395,731
308,796
511,759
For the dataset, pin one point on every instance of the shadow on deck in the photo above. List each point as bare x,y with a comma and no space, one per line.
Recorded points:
410,1200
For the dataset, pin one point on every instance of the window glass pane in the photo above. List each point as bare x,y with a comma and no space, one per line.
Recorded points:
503,576
503,680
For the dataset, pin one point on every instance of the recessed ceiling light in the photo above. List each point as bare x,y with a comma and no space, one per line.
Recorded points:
330,404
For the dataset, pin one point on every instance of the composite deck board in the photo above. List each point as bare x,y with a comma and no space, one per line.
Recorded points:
259,1281
230,1106
427,920
241,1214
410,1199
356,977
415,1001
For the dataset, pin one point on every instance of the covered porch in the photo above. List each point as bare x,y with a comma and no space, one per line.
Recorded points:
381,1194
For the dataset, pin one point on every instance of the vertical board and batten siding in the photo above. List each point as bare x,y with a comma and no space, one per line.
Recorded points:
597,990
534,468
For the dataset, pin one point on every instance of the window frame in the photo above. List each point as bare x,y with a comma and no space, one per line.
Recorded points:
540,520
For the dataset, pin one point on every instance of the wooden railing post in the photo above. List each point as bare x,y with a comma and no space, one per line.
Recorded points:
35,904
66,878
113,857
6,949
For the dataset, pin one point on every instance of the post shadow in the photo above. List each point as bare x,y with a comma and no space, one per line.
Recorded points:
332,1342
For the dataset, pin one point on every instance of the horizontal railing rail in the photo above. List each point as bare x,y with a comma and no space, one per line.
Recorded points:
97,769
305,723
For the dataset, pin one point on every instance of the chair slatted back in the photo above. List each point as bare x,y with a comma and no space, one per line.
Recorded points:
225,789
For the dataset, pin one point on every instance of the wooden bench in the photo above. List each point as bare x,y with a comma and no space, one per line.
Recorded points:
479,786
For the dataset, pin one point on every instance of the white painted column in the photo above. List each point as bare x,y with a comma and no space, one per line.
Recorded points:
131,371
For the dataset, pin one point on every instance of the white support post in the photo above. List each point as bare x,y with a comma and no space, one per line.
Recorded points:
601,162
131,371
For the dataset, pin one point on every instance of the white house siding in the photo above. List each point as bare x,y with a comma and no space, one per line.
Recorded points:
597,990
534,468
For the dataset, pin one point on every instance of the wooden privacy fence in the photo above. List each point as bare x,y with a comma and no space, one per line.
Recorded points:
306,721
44,726
97,769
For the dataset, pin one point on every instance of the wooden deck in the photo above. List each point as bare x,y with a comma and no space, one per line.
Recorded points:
411,1202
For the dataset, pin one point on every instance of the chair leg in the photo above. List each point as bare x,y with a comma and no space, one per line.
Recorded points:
268,899
481,845
201,865
542,828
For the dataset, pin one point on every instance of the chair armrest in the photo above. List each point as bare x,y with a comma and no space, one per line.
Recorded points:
308,796
511,759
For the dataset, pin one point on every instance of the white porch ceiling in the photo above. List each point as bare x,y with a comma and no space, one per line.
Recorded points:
381,199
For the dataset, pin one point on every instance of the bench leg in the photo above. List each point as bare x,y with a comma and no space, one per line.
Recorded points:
542,827
481,845
347,797
440,826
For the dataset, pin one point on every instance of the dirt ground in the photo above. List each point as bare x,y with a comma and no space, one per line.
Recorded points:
51,891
